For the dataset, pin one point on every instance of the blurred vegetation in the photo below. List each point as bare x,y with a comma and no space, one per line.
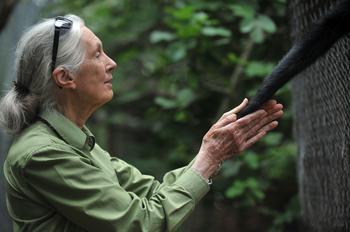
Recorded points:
181,64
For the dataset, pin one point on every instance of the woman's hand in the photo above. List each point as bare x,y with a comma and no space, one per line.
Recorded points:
228,136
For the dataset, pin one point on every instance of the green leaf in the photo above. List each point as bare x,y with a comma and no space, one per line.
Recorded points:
272,138
181,116
257,35
242,10
280,161
231,168
130,96
266,23
257,27
201,17
160,36
183,13
259,69
232,57
246,25
166,103
236,189
216,31
251,159
185,97
250,188
176,52
256,188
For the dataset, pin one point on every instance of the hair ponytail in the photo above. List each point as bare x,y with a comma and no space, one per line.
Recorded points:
18,110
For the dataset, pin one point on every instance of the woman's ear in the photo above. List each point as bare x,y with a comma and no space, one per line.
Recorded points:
63,79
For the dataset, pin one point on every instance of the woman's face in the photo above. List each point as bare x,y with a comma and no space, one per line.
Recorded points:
94,79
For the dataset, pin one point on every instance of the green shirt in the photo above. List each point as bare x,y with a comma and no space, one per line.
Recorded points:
59,179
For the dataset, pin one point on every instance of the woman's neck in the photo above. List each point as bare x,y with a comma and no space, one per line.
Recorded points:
77,113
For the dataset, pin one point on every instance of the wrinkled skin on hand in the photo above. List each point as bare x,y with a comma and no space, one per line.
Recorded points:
228,136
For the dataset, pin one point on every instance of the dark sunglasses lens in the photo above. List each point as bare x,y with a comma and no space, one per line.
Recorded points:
62,25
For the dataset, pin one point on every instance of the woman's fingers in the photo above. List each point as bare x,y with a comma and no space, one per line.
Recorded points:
231,116
231,136
270,107
245,123
249,129
249,125
260,134
239,129
239,107
261,124
235,110
254,139
273,108
226,120
269,104
268,127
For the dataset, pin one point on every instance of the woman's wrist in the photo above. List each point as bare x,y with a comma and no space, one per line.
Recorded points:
206,167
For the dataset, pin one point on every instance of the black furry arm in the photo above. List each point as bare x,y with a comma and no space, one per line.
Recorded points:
316,42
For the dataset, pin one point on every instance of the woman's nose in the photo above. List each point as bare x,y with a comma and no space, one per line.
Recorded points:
111,64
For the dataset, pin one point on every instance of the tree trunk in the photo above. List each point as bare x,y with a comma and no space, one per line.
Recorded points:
6,7
321,107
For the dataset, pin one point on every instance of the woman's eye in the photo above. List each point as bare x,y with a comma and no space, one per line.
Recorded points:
98,54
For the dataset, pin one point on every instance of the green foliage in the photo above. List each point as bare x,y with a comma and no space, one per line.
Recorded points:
251,188
258,69
178,62
182,99
257,25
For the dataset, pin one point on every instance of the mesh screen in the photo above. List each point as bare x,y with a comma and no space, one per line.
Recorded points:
321,107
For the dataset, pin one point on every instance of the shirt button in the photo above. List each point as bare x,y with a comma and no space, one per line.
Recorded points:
90,142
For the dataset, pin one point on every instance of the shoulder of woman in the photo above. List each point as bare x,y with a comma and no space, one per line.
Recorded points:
34,139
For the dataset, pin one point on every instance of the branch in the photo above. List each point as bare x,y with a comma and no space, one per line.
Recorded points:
225,103
215,87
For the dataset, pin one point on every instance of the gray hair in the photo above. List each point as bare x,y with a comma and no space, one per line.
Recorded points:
33,72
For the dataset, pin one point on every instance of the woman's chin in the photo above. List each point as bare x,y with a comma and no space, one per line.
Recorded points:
109,85
109,96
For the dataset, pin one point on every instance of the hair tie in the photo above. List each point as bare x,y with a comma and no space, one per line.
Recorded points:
20,88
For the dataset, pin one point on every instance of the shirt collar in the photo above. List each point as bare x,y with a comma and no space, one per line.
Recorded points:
68,131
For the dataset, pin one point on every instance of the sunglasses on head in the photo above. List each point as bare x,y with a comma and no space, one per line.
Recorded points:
62,25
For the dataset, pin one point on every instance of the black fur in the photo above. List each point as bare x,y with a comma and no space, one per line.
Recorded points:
305,52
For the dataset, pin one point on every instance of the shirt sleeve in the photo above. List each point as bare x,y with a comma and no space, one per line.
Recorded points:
95,201
131,179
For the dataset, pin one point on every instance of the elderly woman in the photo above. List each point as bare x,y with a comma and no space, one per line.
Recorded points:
59,179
